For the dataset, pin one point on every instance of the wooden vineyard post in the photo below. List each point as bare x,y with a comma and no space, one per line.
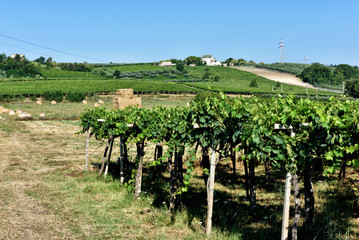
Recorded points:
138,183
109,156
297,207
104,157
121,162
210,192
288,178
285,221
87,143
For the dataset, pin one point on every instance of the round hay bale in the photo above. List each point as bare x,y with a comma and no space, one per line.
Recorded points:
39,102
84,102
18,112
1,108
25,115
101,101
53,102
5,110
12,113
97,105
42,114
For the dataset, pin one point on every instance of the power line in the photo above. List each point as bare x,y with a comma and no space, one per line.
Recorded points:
294,58
9,45
263,54
48,48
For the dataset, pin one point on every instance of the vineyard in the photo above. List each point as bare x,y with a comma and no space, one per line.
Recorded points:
149,78
313,141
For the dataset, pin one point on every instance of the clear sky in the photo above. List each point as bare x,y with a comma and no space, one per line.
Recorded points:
327,31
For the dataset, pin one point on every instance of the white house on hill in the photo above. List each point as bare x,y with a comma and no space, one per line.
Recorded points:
210,60
22,56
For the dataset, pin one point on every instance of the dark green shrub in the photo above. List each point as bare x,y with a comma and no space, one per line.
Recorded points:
207,75
180,67
216,79
117,74
56,96
33,98
75,97
173,76
277,85
253,83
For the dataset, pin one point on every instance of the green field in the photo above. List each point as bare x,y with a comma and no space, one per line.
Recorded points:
89,86
61,74
136,67
230,80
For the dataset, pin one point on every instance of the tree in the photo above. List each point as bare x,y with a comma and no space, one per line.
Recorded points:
19,67
338,77
176,61
40,60
49,62
117,74
346,71
242,61
229,60
317,73
193,60
180,67
352,87
2,57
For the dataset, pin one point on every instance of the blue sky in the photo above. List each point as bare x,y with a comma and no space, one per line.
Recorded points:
327,31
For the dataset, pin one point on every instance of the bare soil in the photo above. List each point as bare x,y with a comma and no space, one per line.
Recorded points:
276,76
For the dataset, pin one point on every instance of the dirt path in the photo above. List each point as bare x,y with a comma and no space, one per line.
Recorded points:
282,77
276,76
24,147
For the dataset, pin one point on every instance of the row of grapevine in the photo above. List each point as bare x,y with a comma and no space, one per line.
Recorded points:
326,139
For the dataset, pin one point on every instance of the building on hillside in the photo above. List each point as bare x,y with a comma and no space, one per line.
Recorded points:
22,56
166,64
210,60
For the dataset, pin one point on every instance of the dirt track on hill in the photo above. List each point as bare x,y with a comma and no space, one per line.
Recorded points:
276,76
